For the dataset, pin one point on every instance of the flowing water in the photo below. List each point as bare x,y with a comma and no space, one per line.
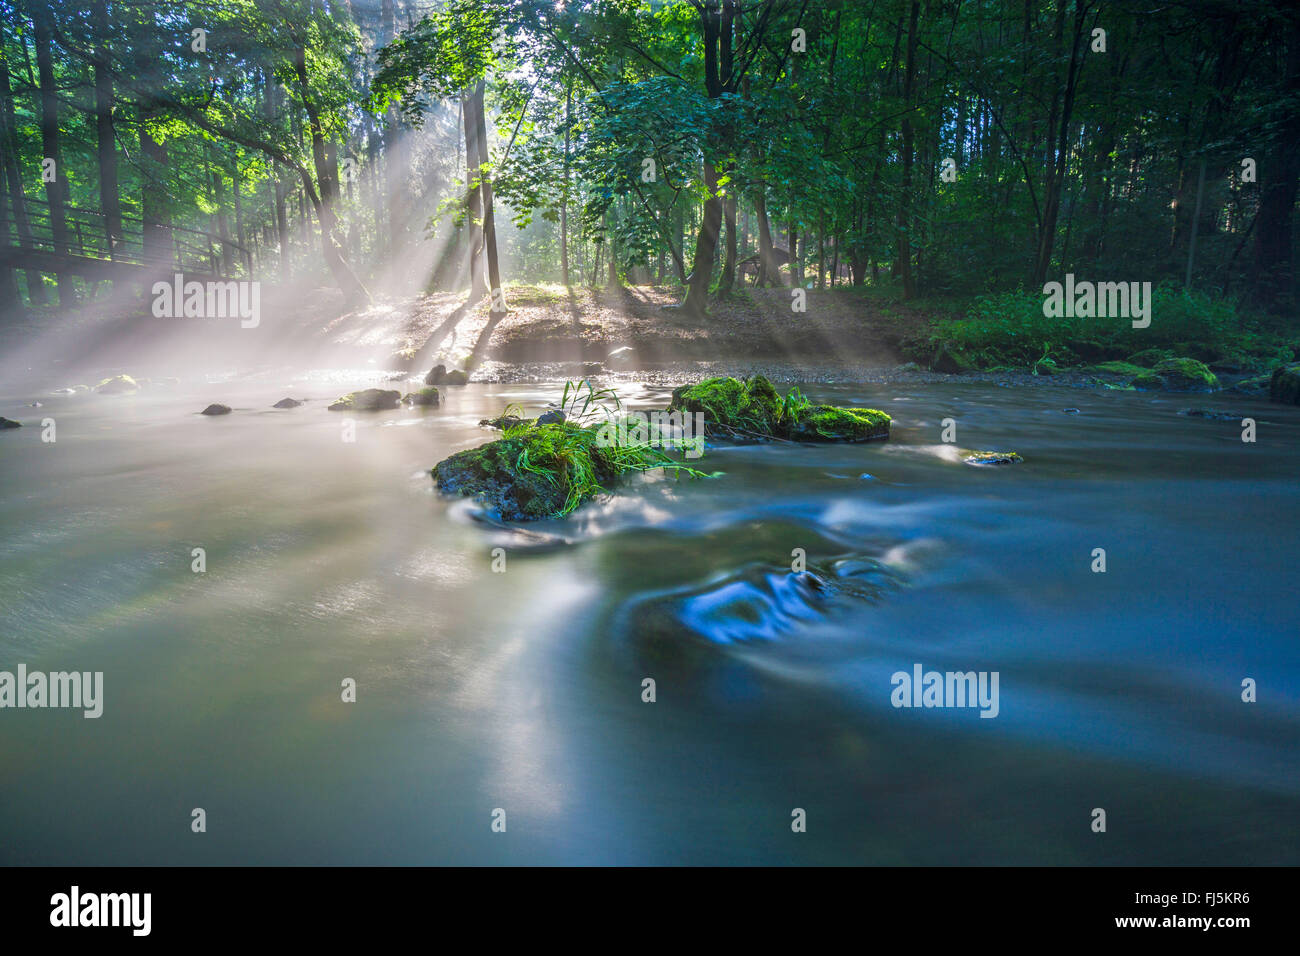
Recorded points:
522,689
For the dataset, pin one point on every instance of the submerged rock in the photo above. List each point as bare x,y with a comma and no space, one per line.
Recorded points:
117,385
425,396
993,458
1217,414
754,409
216,409
437,375
6,423
287,403
1284,386
1178,375
367,400
758,603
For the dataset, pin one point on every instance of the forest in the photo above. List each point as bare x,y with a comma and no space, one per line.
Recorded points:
927,148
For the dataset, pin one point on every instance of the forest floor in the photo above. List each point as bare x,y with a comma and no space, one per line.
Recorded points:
549,332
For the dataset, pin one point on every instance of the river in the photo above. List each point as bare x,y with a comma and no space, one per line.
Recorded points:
519,687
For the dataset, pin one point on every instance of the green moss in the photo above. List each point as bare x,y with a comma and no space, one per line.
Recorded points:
456,377
367,400
546,471
425,396
754,409
1127,369
1178,375
829,423
730,405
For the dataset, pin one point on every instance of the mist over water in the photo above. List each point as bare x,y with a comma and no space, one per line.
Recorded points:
522,690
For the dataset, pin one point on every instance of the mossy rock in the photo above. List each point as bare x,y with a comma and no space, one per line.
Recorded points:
367,400
1178,375
456,377
437,375
425,396
993,458
752,409
117,385
1284,386
533,473
730,406
7,423
829,423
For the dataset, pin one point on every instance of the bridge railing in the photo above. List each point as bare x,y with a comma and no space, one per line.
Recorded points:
86,236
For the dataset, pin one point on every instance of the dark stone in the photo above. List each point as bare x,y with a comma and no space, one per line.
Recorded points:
456,377
551,418
287,403
216,409
6,423
437,375
1284,386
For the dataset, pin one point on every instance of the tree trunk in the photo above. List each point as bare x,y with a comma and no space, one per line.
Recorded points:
109,201
496,305
56,192
9,172
905,193
347,280
564,196
473,201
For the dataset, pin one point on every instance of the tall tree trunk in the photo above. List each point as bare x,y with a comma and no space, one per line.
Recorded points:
905,193
56,192
564,196
109,201
728,280
496,304
9,172
347,280
156,230
706,240
769,273
1060,148
473,199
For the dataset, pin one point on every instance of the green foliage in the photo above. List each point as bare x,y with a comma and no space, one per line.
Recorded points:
1010,329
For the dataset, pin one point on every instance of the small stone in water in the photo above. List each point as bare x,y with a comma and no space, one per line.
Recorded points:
1070,411
287,403
216,409
6,423
993,458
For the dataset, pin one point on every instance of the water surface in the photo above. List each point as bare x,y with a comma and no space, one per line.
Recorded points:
522,690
